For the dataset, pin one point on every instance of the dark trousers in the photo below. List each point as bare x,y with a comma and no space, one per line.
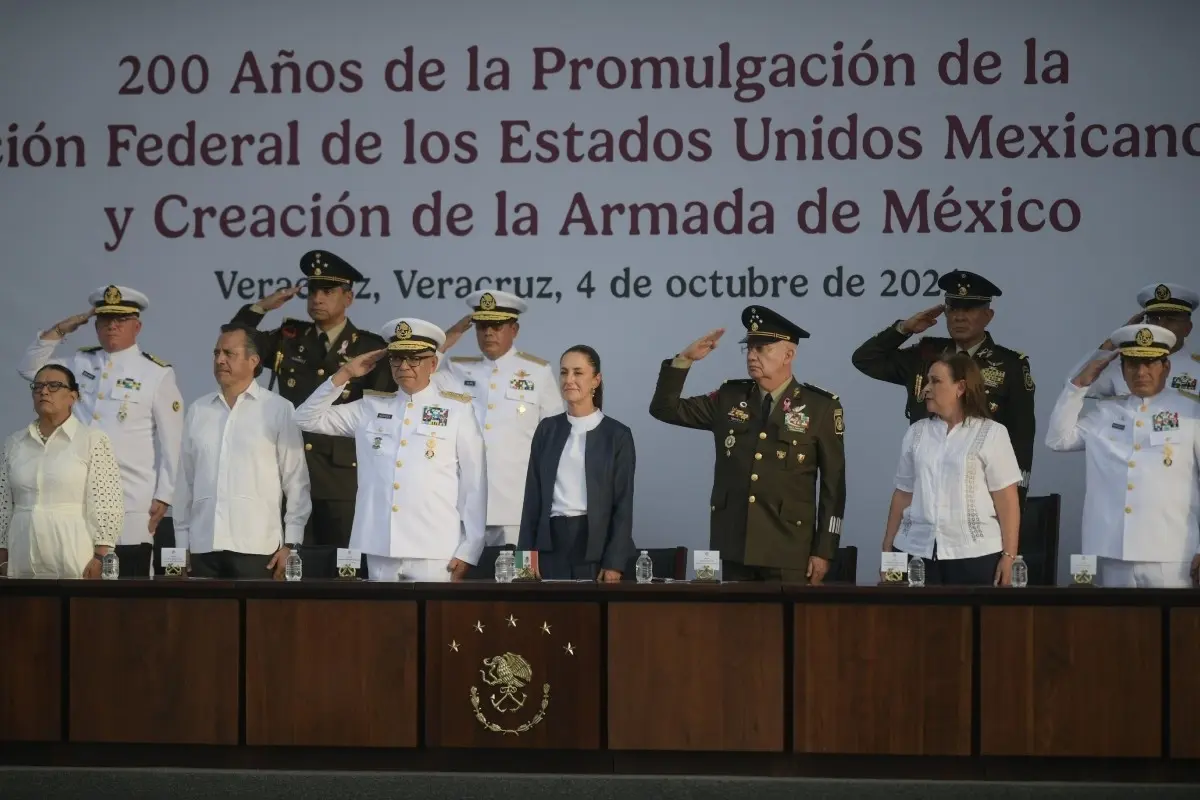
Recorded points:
231,566
135,560
733,571
330,523
567,557
978,571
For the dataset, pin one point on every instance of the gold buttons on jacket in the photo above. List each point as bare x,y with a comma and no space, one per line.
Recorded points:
308,446
395,485
1129,487
320,373
751,498
491,406
1132,464
399,463
1128,510
753,477
762,435
758,456
488,426
395,508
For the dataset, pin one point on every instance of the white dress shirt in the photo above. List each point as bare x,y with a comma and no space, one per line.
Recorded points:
58,499
131,396
1138,507
510,396
422,477
1185,374
570,482
951,475
237,466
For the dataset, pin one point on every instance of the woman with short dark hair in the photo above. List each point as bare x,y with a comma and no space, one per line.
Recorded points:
955,503
61,503
578,509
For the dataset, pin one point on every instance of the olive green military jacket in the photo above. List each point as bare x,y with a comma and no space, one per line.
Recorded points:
779,489
294,355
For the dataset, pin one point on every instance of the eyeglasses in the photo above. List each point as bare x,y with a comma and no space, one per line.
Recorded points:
53,386
412,361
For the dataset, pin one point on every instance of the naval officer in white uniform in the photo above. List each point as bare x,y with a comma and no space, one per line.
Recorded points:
511,391
1167,305
132,396
422,478
1141,513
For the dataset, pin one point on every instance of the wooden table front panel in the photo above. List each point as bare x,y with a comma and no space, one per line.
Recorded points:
1185,683
154,670
882,680
695,676
331,673
30,669
539,687
1071,681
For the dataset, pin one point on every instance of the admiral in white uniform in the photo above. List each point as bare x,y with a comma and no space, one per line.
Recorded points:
511,392
422,479
1167,305
132,396
1141,514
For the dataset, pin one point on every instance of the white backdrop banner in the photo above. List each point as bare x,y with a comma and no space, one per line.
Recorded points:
640,171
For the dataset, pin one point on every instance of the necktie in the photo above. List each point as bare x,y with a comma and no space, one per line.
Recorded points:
323,340
766,412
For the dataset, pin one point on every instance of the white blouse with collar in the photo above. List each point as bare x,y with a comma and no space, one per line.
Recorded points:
570,483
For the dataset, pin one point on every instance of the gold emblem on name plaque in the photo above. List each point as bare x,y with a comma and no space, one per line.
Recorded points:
893,576
1083,577
706,573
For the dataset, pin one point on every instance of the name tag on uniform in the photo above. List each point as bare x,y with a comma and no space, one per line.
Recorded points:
468,383
381,415
1119,426
87,374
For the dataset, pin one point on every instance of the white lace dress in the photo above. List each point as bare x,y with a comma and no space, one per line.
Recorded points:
58,500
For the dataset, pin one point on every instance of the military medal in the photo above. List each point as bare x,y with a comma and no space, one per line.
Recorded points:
1167,453
291,382
521,409
730,441
781,454
123,412
376,442
430,444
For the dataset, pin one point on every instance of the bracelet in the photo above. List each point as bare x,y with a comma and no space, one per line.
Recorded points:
1010,555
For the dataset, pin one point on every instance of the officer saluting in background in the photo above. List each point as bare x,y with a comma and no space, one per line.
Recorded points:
772,436
1006,375
302,355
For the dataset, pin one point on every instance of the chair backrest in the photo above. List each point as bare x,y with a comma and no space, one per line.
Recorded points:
1039,538
485,570
668,562
844,568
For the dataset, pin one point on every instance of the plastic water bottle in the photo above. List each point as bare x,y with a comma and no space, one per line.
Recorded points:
110,566
293,568
916,571
1020,573
643,568
506,567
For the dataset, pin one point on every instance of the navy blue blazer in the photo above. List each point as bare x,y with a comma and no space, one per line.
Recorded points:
608,461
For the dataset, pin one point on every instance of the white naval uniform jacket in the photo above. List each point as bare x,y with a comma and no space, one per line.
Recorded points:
1185,374
132,396
422,478
510,396
1143,472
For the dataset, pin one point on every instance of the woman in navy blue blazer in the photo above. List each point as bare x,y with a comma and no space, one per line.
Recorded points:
578,510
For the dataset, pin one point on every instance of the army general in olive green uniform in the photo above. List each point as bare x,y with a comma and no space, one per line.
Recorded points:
302,354
779,485
1006,375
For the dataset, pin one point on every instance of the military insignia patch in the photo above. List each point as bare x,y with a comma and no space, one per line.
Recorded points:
1184,381
738,415
1028,376
1144,338
796,420
1166,421
920,379
521,384
376,442
112,296
839,424
1161,292
435,415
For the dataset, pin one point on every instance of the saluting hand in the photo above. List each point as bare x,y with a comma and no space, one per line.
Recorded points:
923,321
277,298
704,345
1091,371
358,366
455,332
68,325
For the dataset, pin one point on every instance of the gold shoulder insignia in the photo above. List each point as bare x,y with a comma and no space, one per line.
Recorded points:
155,359
466,359
1193,395
1195,356
377,393
819,390
459,396
541,362
94,348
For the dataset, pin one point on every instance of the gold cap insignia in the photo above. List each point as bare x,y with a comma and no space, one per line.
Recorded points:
487,302
112,296
962,290
403,330
316,272
1144,338
1161,292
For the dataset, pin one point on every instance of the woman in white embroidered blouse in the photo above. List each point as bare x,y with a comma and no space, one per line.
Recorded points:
61,504
955,502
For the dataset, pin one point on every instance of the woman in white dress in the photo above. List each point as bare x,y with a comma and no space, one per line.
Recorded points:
61,505
955,504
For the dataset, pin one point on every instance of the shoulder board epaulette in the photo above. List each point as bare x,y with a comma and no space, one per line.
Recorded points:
377,393
819,390
738,382
90,349
466,359
1009,351
541,362
1195,356
1193,395
459,396
155,359
292,322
